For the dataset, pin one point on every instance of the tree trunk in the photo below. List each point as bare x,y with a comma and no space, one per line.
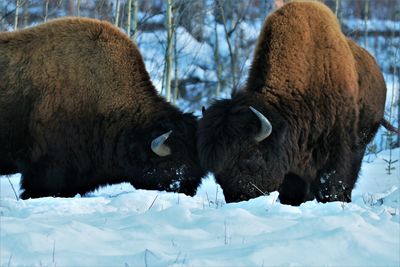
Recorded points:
71,7
232,56
78,8
393,101
46,10
135,19
176,81
26,13
336,8
132,20
17,3
169,51
128,28
117,9
217,61
366,7
1,19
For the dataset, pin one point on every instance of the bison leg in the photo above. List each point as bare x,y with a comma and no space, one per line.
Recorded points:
41,190
34,187
331,187
294,190
7,167
41,180
337,183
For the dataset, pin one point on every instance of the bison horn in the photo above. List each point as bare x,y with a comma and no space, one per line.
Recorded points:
266,127
158,146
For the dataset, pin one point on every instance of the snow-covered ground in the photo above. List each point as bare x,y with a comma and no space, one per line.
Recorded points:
121,226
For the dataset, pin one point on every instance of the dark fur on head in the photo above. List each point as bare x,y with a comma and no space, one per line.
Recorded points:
78,111
316,89
227,147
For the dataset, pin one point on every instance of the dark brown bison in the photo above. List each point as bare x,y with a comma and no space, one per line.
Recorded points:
78,110
312,102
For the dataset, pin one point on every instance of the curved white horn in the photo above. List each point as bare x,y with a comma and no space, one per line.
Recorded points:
158,146
266,127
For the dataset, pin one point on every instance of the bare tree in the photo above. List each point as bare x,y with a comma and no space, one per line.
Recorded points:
176,80
17,5
168,51
46,10
231,54
336,7
191,16
217,61
103,10
71,7
393,101
135,19
128,28
78,6
236,15
117,9
340,11
132,20
396,75
366,7
2,16
26,13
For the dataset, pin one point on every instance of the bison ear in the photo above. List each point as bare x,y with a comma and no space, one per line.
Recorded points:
203,110
266,127
158,146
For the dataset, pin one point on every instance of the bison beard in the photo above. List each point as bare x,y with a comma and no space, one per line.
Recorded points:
324,97
78,110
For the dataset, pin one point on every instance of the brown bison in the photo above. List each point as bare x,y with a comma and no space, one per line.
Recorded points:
312,102
78,110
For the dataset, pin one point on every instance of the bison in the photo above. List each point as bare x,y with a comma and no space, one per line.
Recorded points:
312,102
78,110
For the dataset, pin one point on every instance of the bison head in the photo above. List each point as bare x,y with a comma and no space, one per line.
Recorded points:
243,147
168,156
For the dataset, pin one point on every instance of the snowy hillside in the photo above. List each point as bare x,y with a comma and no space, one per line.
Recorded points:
121,226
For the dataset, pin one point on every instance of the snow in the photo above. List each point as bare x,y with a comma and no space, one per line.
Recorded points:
120,226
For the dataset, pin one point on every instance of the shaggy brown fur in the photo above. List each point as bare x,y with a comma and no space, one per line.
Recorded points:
372,93
304,79
78,110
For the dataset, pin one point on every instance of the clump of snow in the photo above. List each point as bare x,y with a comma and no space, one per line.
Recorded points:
120,226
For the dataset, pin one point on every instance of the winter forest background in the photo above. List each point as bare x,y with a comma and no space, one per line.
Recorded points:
197,50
